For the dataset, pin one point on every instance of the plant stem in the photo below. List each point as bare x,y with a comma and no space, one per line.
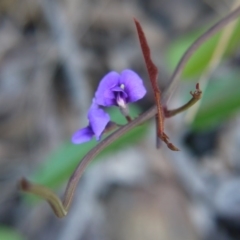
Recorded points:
61,208
195,97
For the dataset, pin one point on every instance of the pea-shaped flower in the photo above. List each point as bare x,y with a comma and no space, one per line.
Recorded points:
119,89
98,120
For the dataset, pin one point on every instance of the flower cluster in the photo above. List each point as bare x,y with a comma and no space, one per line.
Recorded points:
114,90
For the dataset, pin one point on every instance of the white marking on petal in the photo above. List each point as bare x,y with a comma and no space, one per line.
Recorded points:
120,102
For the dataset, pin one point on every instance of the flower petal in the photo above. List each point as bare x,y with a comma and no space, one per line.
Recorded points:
133,85
118,89
110,101
120,97
104,96
98,119
82,135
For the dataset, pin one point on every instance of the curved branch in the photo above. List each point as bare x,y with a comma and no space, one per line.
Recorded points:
73,181
62,209
204,37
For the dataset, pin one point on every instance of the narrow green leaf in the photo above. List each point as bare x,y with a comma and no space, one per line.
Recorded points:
221,100
201,58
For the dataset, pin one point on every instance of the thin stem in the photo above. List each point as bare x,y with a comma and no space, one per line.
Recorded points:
148,114
213,63
128,118
73,181
205,36
195,97
45,193
158,140
56,204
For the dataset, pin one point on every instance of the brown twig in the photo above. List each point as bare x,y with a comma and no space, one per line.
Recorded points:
128,118
153,74
195,97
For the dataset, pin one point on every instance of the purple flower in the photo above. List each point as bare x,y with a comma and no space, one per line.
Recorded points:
120,89
98,120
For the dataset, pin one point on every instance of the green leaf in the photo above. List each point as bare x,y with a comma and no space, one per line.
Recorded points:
7,233
201,58
220,101
59,166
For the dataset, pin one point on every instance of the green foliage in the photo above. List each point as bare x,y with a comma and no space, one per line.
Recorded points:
7,233
59,166
200,60
220,100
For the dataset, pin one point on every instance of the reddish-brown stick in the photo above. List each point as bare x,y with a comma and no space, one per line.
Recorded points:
153,74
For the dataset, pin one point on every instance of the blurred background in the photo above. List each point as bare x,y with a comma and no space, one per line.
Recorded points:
53,53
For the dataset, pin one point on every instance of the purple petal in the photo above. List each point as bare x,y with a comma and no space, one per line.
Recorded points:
120,90
104,95
121,97
82,135
94,104
110,101
133,85
98,120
